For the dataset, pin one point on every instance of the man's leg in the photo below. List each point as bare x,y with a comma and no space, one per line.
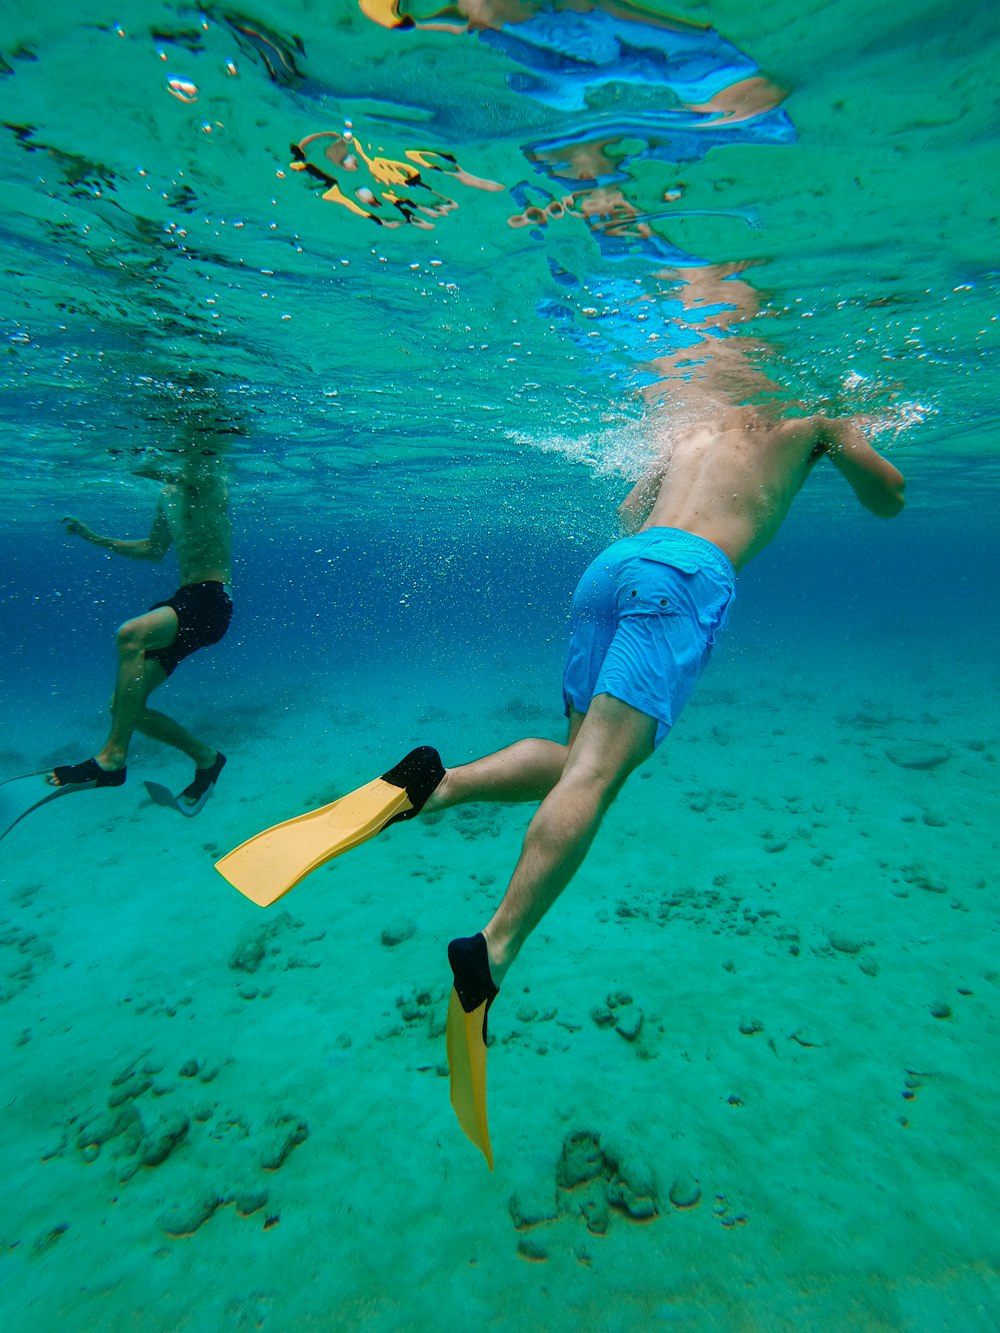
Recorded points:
209,763
160,727
524,771
612,740
136,678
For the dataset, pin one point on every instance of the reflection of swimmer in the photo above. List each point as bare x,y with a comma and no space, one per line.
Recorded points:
458,17
470,15
343,152
192,516
744,100
715,364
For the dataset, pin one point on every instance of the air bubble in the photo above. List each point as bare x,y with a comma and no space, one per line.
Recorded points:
183,89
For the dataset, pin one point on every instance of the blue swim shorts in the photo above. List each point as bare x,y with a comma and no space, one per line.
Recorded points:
644,620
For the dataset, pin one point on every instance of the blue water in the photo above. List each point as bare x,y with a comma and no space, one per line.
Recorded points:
445,374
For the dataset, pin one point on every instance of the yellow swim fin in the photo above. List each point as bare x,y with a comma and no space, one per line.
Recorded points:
471,997
266,866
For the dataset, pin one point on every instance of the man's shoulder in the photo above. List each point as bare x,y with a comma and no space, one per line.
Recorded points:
806,423
815,430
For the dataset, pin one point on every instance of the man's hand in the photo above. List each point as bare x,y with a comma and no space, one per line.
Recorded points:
153,547
77,529
156,472
877,484
638,504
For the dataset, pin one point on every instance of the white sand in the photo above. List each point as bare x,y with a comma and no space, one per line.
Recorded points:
771,870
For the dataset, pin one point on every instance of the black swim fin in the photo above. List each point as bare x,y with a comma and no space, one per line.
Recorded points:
19,796
161,795
192,799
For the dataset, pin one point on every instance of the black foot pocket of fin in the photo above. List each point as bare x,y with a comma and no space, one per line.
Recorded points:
161,795
470,962
196,793
418,773
473,993
82,777
193,797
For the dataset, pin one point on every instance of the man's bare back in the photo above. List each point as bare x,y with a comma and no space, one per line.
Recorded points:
732,481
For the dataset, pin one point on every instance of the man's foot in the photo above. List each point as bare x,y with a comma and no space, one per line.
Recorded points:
474,992
87,774
204,780
438,798
418,773
474,984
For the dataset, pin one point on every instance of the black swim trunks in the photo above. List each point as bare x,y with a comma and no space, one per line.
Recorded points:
204,611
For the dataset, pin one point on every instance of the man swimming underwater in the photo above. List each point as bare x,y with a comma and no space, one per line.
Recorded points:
644,620
192,515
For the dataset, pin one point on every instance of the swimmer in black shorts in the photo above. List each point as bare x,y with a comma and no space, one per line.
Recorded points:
193,516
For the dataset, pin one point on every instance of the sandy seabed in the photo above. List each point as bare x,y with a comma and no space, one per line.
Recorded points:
744,1077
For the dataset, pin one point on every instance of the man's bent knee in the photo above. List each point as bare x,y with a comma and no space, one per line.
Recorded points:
600,771
130,640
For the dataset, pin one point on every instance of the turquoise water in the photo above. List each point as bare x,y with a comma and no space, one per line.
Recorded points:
424,263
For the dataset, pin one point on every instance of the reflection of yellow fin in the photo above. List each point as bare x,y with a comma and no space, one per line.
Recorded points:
268,865
467,1067
470,1002
385,13
336,195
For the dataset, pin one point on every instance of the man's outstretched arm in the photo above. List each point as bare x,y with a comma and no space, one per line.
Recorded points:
877,484
153,547
638,504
